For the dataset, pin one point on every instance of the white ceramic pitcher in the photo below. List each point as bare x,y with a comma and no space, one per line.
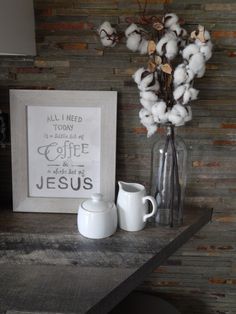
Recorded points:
132,206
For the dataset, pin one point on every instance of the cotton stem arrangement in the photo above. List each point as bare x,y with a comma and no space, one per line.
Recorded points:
175,59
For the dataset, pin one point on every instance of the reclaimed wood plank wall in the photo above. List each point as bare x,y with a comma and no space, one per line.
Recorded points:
201,277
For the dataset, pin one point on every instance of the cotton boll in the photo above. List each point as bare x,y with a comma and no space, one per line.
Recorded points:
168,45
164,118
184,33
190,50
181,110
194,93
190,75
149,79
137,75
170,19
186,97
147,104
146,117
143,46
189,114
161,43
175,119
143,112
179,92
170,35
197,63
177,115
151,96
159,113
180,75
190,94
176,29
207,38
201,71
107,34
171,49
206,51
154,87
106,26
133,28
108,42
149,83
133,42
151,130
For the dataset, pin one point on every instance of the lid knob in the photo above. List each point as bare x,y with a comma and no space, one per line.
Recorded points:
96,197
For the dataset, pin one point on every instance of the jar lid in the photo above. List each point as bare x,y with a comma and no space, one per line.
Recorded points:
96,203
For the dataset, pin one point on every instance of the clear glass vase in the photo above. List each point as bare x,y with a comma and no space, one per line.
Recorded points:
169,174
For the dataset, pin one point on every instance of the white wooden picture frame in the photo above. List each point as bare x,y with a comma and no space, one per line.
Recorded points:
63,148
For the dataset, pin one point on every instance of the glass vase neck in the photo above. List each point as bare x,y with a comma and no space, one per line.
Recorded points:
170,129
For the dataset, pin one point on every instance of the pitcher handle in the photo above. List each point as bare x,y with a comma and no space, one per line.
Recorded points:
154,207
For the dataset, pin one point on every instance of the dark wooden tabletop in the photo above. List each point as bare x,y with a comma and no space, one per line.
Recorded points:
46,266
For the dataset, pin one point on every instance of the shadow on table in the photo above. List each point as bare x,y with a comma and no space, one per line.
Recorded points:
139,302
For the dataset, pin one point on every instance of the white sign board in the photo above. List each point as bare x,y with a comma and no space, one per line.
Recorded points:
63,151
63,147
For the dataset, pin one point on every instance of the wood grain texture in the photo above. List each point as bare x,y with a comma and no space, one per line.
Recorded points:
210,136
54,269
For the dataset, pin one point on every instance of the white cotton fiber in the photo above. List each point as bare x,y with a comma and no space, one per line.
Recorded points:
201,71
133,42
106,26
207,38
149,95
107,34
147,104
180,110
186,93
131,29
194,93
180,75
137,75
170,35
159,112
161,43
178,92
176,29
170,19
146,81
206,50
175,119
108,42
189,114
143,46
197,63
151,130
171,49
147,120
190,50
143,112
178,114
159,108
155,87
149,83
186,97
184,33
190,75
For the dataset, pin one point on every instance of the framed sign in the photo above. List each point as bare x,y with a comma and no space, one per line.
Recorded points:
63,148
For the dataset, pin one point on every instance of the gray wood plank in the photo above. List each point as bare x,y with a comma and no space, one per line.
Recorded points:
47,266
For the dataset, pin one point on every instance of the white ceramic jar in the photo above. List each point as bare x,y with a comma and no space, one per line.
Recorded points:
97,218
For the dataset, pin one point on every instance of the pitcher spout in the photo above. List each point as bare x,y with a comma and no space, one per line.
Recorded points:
121,184
130,187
